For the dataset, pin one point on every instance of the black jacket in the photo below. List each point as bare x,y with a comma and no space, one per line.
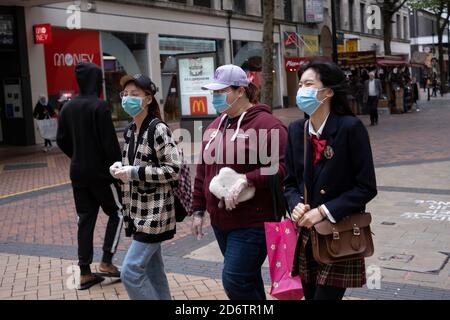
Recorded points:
346,182
42,111
86,133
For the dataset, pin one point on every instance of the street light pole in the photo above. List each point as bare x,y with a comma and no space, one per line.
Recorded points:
334,31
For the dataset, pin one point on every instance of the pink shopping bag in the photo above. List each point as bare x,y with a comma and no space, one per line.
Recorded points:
281,240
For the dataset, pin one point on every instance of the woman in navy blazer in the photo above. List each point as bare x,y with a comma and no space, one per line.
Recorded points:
339,175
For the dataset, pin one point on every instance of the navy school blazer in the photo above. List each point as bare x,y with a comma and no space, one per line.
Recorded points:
346,182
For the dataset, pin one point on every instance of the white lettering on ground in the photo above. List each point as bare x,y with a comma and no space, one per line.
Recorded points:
434,210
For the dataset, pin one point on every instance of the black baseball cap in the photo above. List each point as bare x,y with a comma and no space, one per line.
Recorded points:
141,81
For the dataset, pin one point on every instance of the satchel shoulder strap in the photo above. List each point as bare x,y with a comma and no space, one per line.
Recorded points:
305,149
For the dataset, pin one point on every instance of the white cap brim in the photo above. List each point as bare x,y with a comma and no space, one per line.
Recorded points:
215,86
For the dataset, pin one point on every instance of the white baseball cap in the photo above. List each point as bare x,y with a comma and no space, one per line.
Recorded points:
226,76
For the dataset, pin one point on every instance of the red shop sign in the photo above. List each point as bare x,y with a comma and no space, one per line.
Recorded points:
69,48
43,33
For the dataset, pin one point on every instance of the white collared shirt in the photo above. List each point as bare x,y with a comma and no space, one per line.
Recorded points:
372,88
318,133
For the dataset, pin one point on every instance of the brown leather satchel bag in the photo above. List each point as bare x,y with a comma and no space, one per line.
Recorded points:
349,239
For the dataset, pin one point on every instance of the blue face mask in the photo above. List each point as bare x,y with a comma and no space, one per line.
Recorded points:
307,100
132,105
220,102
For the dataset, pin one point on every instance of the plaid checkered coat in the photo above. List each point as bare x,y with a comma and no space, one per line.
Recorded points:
149,202
344,181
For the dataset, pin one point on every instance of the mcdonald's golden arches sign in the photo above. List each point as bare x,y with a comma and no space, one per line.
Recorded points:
199,106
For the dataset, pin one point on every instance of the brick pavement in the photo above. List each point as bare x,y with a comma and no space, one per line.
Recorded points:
47,219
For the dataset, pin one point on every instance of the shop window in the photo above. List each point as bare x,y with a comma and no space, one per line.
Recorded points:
362,17
203,3
350,14
405,27
338,14
287,4
170,48
123,53
6,30
239,6
248,56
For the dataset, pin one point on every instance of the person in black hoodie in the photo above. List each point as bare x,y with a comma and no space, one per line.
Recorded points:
87,136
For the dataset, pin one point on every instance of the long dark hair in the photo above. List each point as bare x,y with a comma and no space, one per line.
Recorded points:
153,107
332,77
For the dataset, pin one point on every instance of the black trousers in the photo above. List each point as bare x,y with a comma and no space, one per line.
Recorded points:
47,142
88,200
372,104
314,292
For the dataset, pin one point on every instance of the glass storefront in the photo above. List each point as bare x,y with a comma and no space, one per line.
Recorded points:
172,47
248,56
123,53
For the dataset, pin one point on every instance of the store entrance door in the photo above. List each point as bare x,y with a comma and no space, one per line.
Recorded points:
292,87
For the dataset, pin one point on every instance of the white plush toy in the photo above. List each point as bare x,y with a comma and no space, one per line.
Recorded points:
222,183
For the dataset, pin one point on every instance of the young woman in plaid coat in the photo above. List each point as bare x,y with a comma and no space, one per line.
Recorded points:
339,176
149,165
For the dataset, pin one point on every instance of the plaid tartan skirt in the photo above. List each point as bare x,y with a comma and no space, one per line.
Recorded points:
347,274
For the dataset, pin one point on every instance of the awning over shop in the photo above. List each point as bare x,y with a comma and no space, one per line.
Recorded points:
392,61
421,59
357,59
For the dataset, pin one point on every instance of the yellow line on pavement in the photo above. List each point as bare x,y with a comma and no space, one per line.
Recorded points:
33,190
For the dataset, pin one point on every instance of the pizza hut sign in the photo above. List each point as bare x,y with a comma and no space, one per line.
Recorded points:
295,63
42,33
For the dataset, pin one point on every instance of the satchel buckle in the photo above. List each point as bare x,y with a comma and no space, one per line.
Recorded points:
356,231
336,235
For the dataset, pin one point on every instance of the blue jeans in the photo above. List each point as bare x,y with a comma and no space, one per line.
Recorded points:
244,251
143,272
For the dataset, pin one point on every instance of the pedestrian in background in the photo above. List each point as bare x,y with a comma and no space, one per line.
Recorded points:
238,226
434,84
372,93
87,136
150,164
338,174
415,91
359,92
43,110
429,85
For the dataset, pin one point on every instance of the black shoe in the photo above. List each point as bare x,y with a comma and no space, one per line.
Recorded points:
108,274
96,280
